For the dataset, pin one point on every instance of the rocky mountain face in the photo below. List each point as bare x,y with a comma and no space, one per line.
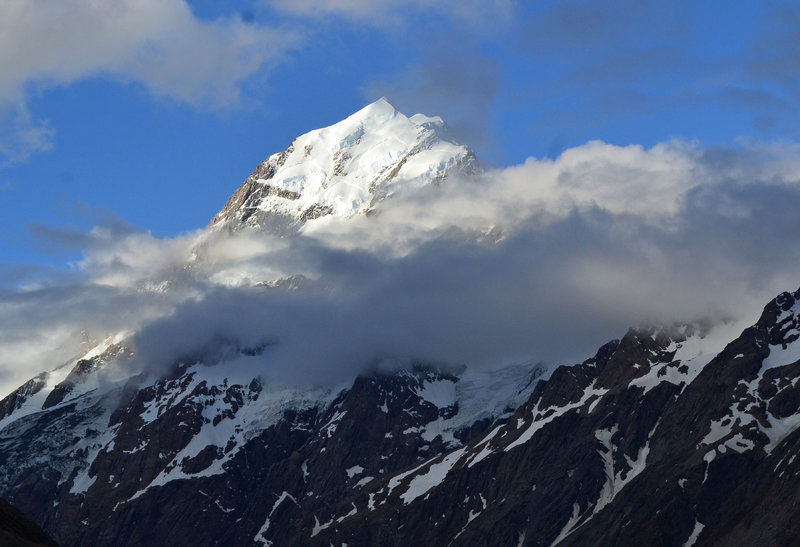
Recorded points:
202,445
345,169
652,441
646,443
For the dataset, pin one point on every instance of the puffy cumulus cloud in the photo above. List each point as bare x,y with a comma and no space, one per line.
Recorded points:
382,12
160,44
545,261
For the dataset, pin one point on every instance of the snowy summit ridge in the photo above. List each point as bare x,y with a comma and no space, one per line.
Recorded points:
346,168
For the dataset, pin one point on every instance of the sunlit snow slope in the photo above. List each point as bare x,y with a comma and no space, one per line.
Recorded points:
346,168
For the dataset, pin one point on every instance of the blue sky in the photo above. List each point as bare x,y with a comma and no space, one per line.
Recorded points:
147,115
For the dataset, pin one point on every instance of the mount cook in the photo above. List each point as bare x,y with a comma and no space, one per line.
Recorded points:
660,438
347,168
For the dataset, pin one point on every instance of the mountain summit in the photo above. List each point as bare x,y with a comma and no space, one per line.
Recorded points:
345,169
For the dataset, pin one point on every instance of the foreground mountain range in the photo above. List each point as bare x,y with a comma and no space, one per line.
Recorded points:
673,435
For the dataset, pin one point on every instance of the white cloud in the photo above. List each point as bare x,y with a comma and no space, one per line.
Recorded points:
160,44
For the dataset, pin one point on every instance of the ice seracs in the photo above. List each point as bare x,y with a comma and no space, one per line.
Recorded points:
346,169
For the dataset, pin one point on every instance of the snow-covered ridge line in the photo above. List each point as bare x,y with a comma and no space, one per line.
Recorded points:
344,169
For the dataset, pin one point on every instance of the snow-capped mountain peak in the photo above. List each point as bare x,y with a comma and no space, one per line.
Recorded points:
346,168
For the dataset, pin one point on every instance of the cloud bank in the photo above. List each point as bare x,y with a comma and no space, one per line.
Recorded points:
542,261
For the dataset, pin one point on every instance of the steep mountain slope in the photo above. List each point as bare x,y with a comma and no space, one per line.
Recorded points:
345,169
109,465
645,444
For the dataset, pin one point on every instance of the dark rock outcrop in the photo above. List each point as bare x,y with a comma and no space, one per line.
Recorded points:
17,530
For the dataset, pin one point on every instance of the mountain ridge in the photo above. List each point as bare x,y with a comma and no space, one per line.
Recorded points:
346,169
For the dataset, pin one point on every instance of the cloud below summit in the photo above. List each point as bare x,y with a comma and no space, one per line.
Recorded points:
545,260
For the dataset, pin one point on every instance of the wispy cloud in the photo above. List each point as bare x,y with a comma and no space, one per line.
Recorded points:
631,62
20,134
773,59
